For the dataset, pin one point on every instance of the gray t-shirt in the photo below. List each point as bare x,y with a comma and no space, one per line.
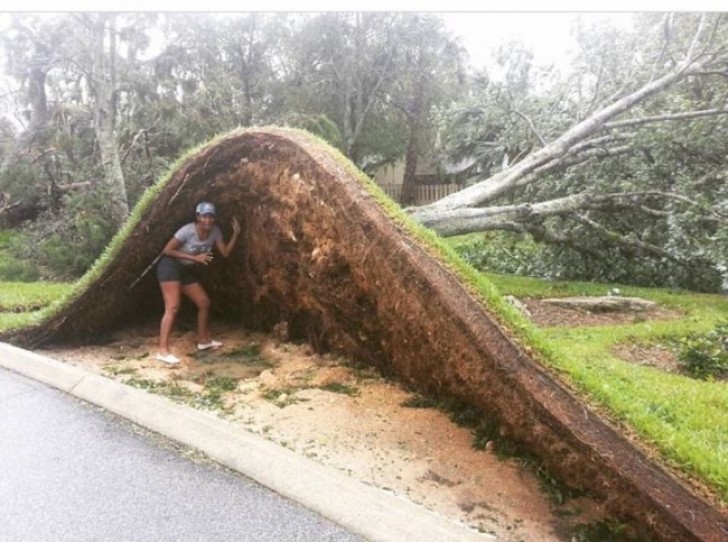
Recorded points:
191,242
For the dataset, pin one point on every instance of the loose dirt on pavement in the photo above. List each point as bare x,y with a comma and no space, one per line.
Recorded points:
348,417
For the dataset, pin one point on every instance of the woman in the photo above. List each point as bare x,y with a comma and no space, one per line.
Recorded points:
178,273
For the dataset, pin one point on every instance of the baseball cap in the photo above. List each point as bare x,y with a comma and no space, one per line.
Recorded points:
205,208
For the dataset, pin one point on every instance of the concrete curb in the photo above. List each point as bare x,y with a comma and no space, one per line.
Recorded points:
365,510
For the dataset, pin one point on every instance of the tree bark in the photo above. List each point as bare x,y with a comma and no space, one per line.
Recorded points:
409,182
103,83
38,116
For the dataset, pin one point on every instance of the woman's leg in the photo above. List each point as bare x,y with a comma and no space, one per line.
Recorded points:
197,294
171,292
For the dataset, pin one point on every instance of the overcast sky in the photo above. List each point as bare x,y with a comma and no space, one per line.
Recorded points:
547,34
542,25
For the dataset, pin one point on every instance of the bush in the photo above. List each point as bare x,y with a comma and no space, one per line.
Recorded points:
501,253
706,355
505,253
71,252
12,268
64,244
19,271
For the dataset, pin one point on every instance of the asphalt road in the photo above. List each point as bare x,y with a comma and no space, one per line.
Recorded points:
72,471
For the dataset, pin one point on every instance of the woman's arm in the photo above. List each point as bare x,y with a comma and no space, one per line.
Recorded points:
226,248
172,249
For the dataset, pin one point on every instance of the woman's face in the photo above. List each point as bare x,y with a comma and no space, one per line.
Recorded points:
206,221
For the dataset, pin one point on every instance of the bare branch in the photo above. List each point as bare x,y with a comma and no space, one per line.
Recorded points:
600,141
667,31
687,115
654,212
133,144
696,41
597,86
542,234
460,221
531,126
626,241
561,164
713,72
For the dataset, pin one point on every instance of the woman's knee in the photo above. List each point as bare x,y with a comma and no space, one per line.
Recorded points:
204,303
171,309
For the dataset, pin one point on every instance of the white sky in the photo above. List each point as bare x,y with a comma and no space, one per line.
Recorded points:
542,25
547,34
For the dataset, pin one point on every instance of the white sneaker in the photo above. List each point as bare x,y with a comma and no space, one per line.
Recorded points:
169,359
208,346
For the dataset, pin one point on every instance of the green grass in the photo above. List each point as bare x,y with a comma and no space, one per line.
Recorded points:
338,387
28,296
24,303
685,419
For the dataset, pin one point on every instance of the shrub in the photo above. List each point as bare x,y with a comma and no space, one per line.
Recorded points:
501,253
65,244
706,355
18,271
506,253
12,268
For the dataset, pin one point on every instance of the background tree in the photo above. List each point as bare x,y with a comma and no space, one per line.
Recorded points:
341,64
102,81
429,66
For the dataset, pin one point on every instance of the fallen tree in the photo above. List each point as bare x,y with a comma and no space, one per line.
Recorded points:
321,254
567,189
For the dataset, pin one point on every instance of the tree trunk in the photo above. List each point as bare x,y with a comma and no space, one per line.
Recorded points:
12,213
409,182
104,90
38,116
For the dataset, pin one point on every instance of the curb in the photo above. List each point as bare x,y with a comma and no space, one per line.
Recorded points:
373,513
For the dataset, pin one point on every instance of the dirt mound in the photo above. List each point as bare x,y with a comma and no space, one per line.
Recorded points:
319,254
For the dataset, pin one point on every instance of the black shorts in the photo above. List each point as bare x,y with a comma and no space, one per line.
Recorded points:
171,270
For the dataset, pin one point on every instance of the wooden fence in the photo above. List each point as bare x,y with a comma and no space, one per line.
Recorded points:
426,193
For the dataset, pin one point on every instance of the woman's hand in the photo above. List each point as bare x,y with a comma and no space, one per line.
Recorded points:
204,258
226,248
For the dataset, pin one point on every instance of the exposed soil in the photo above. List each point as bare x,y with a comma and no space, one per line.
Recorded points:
655,356
546,315
350,418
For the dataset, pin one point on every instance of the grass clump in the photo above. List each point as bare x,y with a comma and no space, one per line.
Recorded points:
338,387
248,355
706,355
281,397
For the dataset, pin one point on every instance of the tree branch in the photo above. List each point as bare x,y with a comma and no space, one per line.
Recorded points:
468,220
687,115
542,234
625,241
531,126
